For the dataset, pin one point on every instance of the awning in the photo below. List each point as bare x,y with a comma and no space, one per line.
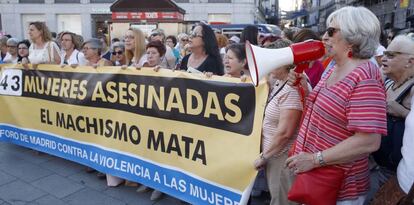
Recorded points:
147,10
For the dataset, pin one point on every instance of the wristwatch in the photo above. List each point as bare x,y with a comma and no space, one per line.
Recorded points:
319,157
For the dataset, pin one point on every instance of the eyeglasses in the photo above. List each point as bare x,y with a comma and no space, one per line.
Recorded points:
129,37
88,48
117,53
331,31
184,39
155,34
11,46
195,35
23,48
392,54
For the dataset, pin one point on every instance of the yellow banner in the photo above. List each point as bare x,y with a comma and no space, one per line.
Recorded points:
404,3
184,134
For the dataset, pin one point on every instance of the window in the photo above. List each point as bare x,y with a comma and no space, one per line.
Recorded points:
182,1
70,23
32,1
219,1
67,1
102,1
219,18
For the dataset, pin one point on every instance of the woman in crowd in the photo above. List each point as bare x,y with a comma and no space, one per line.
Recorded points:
315,71
251,34
182,45
398,67
70,54
118,54
11,56
23,50
92,50
235,63
42,49
222,42
171,42
205,56
155,51
346,112
135,47
278,135
400,189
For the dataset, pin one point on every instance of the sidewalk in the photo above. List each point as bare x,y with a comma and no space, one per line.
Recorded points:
29,178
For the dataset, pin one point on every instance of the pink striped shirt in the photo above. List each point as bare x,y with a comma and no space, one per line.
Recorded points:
354,104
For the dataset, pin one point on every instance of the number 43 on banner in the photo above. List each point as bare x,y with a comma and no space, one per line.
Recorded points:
11,82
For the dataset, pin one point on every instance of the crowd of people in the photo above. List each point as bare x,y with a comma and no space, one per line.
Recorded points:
353,117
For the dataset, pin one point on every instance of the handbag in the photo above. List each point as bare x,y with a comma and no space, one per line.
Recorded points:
389,153
319,186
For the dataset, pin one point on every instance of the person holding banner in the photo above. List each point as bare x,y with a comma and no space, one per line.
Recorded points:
280,125
345,115
155,53
135,47
22,50
92,49
235,62
43,49
70,54
205,56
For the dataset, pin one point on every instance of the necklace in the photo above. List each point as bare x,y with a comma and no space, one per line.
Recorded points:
394,88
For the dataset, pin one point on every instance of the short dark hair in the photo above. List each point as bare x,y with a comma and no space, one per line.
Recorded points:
239,50
173,38
157,45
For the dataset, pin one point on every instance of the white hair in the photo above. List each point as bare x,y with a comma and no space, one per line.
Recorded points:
360,28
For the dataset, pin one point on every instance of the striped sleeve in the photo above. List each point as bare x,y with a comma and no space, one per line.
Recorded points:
290,99
366,109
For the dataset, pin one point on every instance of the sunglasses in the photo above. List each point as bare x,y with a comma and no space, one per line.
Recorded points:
392,54
117,53
195,35
184,39
331,31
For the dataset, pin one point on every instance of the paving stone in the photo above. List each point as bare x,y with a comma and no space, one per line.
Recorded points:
6,178
90,180
26,171
167,200
129,195
62,167
57,185
48,200
35,157
19,192
91,197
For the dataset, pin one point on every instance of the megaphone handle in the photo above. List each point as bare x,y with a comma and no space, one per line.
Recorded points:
299,69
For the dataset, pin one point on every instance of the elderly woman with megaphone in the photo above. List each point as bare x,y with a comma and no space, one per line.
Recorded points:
344,117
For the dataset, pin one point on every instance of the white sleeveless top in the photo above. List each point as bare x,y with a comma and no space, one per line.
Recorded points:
43,55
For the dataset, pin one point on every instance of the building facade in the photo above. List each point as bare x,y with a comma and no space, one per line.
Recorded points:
91,17
391,13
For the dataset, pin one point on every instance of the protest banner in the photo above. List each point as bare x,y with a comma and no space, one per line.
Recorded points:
187,135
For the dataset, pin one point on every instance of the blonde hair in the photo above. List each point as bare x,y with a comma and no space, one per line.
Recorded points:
41,26
140,48
222,40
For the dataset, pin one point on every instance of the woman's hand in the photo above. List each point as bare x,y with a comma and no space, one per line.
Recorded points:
25,63
259,163
95,65
301,162
73,66
137,67
124,67
293,77
62,66
396,109
243,78
157,68
208,74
